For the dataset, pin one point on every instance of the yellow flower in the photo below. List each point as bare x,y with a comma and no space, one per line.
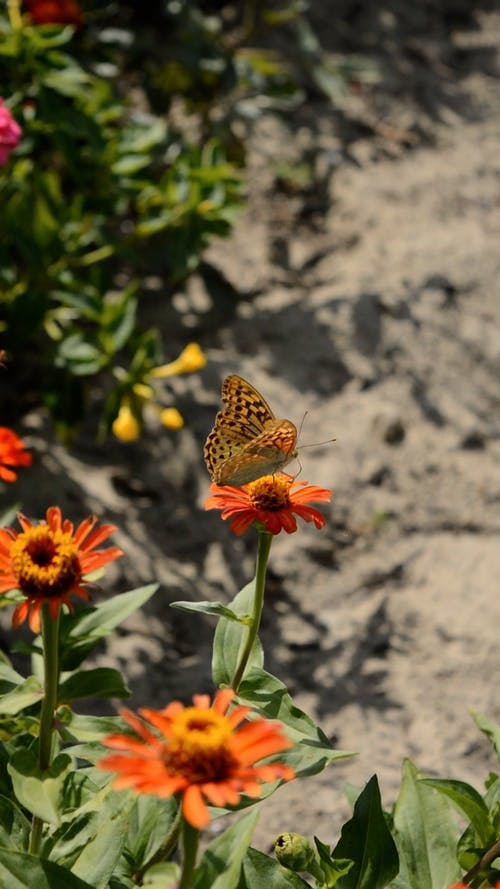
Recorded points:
126,427
171,418
190,359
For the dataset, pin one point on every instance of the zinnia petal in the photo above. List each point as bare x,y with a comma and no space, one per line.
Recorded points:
199,753
273,501
47,562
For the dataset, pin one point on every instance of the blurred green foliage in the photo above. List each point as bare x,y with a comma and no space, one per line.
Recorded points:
128,167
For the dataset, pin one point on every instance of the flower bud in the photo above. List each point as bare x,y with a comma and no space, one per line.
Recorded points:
294,851
126,426
191,358
171,418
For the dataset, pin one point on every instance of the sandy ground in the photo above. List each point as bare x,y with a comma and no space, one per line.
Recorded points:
368,298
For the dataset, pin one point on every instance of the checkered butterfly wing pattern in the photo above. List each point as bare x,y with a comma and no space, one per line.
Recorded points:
247,440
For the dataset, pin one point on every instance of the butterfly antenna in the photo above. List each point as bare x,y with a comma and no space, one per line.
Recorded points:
315,444
302,423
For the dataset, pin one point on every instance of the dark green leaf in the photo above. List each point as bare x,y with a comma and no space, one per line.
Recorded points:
103,682
22,871
366,840
14,826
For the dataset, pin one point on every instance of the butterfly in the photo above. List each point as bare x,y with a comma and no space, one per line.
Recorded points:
247,440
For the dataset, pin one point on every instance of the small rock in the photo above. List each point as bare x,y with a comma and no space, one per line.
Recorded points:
473,440
389,427
374,472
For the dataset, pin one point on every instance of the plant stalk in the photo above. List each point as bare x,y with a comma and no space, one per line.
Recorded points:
13,8
50,642
263,549
190,841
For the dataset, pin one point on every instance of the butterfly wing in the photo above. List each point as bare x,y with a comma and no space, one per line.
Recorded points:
247,441
245,404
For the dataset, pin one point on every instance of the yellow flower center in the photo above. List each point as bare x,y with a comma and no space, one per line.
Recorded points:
198,747
45,562
270,492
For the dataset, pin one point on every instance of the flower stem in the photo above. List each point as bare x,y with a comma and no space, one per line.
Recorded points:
263,549
190,840
483,863
14,14
50,638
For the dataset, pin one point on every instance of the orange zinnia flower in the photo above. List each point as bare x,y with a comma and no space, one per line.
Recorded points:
12,453
200,753
271,501
48,561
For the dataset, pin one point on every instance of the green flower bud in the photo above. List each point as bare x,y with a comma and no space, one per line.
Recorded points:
294,851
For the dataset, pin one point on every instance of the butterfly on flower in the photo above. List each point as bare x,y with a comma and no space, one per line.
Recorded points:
247,440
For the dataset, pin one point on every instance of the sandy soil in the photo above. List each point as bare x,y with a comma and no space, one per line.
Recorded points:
368,298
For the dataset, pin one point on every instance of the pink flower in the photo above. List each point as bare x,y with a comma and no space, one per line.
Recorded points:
10,133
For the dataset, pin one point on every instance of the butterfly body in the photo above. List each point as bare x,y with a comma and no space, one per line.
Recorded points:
247,440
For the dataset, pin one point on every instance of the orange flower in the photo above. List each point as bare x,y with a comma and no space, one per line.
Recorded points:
60,12
48,561
200,753
12,453
271,500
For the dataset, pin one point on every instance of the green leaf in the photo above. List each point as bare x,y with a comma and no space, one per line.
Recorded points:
39,792
468,801
70,81
220,866
129,164
92,834
261,872
149,823
161,876
425,832
366,840
22,871
101,854
89,728
333,868
9,678
24,695
216,609
82,632
312,750
230,637
490,729
103,682
14,826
